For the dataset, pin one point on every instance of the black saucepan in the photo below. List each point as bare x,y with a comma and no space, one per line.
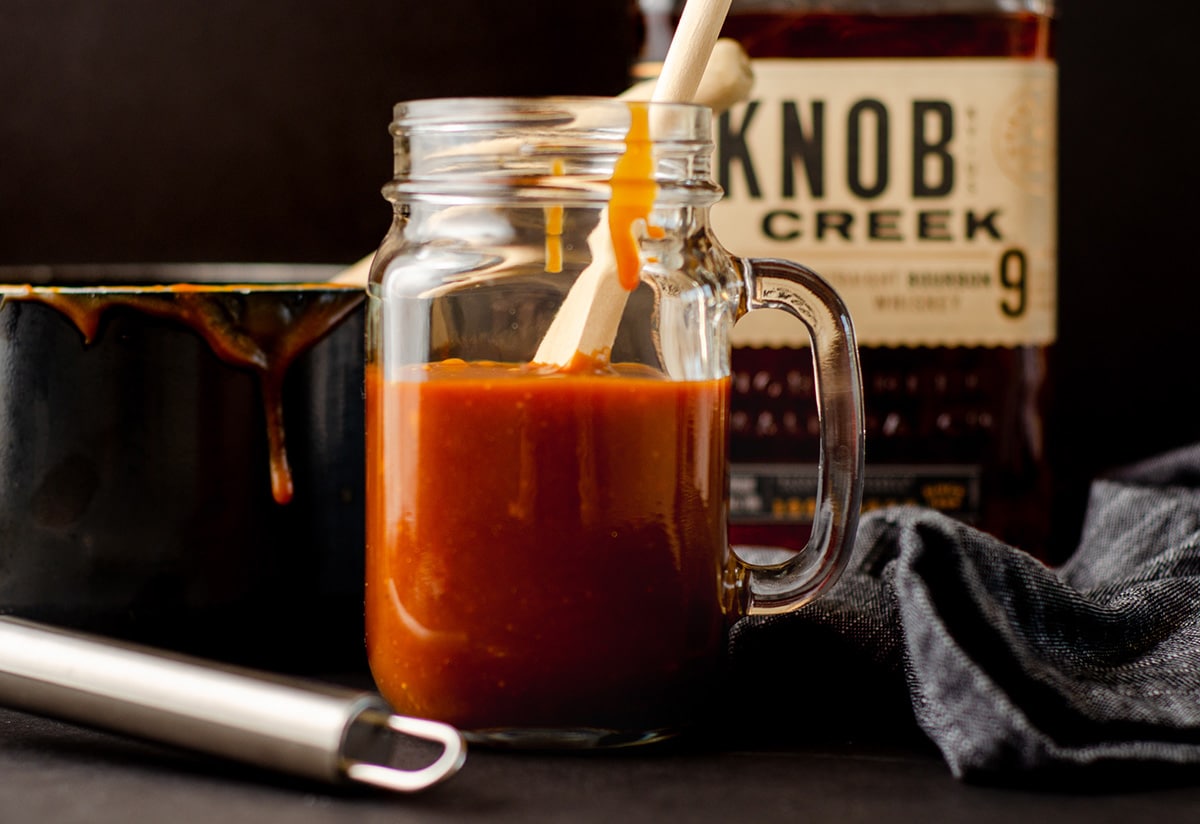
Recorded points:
182,465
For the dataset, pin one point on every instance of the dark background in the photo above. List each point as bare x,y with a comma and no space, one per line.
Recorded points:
222,130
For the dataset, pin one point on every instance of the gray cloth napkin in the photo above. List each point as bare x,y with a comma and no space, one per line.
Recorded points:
1006,664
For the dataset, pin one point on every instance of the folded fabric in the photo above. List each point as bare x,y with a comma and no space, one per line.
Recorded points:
1007,664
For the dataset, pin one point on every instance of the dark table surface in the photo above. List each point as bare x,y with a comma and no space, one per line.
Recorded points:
53,772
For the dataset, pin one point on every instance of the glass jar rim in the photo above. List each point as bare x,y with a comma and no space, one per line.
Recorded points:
461,113
559,147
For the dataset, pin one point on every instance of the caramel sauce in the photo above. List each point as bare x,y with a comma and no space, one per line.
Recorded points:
248,327
544,551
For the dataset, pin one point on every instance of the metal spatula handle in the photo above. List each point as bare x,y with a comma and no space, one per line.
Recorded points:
314,730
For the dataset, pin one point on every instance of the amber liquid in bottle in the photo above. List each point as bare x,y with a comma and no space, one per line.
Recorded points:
957,425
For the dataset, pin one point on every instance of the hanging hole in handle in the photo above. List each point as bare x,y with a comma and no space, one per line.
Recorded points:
789,580
399,753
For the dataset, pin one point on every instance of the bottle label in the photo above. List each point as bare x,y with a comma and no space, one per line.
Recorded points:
923,190
787,493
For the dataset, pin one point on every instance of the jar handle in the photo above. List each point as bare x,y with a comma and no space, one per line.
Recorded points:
802,293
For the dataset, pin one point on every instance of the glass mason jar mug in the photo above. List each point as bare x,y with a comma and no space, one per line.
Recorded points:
547,410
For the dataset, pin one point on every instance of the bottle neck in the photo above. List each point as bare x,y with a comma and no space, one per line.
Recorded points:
893,7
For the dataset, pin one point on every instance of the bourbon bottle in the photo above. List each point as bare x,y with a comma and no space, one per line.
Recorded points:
906,151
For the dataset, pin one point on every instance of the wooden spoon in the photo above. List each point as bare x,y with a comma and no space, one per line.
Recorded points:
586,323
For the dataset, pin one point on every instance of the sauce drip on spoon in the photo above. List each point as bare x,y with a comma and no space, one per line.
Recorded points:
633,193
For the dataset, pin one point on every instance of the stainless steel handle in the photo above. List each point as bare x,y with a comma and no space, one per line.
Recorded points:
314,730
